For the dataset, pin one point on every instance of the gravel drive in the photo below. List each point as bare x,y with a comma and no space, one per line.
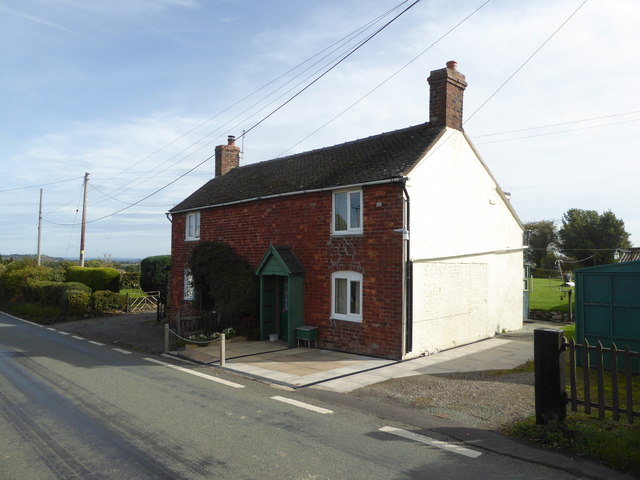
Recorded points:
476,399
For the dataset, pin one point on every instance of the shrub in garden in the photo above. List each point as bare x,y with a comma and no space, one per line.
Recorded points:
98,278
17,277
225,283
130,280
153,273
104,300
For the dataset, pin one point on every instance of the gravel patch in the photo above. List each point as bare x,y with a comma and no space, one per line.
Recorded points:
477,399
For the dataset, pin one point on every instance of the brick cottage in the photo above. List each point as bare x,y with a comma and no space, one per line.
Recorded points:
395,245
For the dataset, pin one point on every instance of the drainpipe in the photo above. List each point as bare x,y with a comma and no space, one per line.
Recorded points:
408,279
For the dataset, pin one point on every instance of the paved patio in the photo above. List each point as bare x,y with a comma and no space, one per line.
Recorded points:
344,372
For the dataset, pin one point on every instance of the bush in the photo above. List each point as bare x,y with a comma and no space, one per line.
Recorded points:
104,300
54,293
17,278
225,282
77,302
130,280
153,273
99,278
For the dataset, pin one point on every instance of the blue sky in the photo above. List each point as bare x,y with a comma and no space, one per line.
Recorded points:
131,92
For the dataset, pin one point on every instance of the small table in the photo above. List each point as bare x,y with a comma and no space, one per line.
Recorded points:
307,333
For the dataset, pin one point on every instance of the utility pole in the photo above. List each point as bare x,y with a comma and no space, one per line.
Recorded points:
84,219
39,227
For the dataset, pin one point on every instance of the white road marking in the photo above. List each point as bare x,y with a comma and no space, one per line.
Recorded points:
431,441
126,352
297,403
62,333
21,319
49,328
77,337
197,374
96,343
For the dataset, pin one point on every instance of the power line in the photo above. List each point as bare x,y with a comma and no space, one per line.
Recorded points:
355,49
339,43
342,59
556,124
386,80
39,186
526,61
558,132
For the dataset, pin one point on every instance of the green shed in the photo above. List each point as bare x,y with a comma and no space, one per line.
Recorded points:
281,294
608,305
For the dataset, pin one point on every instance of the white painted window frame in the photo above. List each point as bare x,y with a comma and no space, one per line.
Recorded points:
192,219
349,230
350,277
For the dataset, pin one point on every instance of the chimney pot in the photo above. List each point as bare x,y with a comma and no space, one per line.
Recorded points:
231,140
452,65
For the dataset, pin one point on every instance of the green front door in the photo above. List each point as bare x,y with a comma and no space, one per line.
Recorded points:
275,306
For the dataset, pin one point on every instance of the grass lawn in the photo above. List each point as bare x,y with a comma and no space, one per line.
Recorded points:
547,294
614,443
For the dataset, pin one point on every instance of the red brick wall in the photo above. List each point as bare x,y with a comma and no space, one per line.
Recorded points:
304,223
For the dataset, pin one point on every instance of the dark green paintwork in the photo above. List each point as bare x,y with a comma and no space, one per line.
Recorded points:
608,305
281,297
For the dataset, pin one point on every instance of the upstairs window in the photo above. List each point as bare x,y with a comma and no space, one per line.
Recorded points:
347,212
193,226
346,296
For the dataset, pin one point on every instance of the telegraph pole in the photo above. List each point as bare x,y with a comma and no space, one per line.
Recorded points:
84,219
39,227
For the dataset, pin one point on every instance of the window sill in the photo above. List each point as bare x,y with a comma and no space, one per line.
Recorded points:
353,233
346,319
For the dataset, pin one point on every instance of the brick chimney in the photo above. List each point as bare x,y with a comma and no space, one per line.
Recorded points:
227,156
445,98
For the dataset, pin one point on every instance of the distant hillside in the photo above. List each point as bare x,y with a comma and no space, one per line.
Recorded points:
18,256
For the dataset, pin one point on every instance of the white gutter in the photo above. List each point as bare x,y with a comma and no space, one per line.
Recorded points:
288,194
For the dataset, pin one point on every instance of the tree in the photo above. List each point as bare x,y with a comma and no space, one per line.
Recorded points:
590,237
543,235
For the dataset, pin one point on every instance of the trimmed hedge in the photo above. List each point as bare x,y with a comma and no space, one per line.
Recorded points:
72,297
153,273
15,281
98,278
104,300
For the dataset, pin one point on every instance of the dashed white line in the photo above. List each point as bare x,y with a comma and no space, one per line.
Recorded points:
77,337
126,352
297,403
62,333
195,373
49,328
431,441
96,343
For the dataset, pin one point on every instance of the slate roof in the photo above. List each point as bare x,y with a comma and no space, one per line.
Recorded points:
381,157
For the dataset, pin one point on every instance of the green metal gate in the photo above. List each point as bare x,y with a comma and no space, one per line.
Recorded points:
608,305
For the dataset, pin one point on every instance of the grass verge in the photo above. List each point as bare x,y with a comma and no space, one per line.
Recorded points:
43,314
615,444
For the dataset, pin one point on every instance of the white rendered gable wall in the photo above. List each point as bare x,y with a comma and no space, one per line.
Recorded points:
466,248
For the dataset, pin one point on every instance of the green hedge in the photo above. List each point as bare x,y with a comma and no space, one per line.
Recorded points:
153,273
104,300
15,280
98,278
72,297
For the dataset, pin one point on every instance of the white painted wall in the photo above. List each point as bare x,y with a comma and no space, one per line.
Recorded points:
466,245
